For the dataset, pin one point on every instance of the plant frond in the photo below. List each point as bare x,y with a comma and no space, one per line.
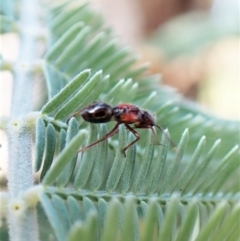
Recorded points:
82,44
158,192
139,220
147,173
191,192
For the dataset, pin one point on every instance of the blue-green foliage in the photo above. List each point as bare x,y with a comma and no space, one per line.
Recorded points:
156,192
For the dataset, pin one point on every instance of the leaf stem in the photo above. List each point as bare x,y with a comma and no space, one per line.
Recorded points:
20,178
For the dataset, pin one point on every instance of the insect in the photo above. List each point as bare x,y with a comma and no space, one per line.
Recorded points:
126,114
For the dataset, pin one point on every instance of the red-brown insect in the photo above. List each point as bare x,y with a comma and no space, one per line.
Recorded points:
126,114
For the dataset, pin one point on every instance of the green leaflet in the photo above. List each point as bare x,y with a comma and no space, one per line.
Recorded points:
145,165
204,164
54,219
78,232
50,148
73,104
118,162
158,166
72,46
97,173
189,222
230,228
67,91
65,176
40,143
63,158
111,221
126,178
166,231
75,209
150,222
188,170
89,157
60,45
130,221
86,231
173,168
224,170
212,223
87,52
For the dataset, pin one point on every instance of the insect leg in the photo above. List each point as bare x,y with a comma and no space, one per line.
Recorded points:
108,135
135,134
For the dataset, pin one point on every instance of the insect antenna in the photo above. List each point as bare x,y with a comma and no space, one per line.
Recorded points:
156,142
76,113
164,133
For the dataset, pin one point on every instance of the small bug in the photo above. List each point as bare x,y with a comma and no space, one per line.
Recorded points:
126,114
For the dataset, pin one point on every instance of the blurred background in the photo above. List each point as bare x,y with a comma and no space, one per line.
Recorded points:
193,44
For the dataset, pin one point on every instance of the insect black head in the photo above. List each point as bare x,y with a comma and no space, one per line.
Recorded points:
98,112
